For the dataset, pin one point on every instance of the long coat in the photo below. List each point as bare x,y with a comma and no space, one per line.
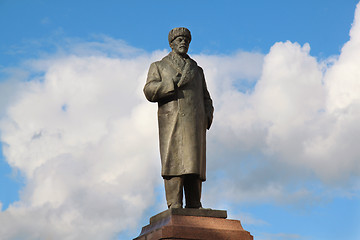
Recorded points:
185,111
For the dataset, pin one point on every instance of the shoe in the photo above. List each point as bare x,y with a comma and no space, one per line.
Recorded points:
176,205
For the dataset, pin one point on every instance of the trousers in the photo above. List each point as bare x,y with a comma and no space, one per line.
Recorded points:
174,186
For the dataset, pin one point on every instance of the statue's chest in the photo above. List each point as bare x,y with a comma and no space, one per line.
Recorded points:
175,73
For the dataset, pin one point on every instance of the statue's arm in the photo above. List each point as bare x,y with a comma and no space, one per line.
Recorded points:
209,108
156,88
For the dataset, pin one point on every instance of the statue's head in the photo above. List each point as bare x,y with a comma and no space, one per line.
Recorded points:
179,40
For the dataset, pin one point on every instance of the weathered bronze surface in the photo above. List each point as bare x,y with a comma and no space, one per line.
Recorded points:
185,111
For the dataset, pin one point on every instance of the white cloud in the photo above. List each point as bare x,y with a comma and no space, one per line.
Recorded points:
9,87
294,133
83,135
247,219
297,113
85,139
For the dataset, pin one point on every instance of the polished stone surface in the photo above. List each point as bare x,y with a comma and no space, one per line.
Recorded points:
189,212
173,226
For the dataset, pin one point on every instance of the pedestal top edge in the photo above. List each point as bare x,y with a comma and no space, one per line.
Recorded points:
189,212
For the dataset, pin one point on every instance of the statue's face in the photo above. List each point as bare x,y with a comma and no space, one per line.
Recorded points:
180,45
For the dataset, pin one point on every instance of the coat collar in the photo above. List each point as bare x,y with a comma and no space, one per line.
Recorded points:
176,56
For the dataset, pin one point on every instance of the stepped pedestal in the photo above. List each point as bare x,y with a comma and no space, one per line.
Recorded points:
193,224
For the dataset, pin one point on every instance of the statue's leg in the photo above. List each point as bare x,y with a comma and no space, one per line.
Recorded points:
192,187
174,191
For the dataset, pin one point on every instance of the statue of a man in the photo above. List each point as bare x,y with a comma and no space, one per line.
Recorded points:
185,111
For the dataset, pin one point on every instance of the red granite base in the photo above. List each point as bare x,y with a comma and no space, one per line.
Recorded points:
194,228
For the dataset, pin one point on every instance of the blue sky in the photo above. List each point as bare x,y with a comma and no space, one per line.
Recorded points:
282,153
218,27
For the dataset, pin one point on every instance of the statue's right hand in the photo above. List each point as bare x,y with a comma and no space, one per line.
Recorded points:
176,78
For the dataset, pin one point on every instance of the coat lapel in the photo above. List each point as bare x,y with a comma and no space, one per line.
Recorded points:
185,68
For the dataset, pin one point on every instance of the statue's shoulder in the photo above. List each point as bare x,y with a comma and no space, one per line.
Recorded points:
165,60
193,62
195,65
164,63
155,65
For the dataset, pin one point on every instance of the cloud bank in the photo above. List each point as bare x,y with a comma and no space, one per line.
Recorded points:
85,139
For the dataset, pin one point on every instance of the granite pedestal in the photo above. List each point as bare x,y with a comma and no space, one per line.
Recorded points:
193,224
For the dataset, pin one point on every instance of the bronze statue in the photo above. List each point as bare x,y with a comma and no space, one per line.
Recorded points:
185,111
